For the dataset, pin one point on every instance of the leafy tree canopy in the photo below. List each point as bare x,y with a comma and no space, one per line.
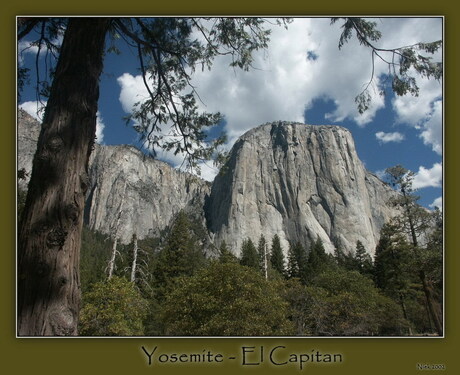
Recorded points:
225,299
113,308
343,303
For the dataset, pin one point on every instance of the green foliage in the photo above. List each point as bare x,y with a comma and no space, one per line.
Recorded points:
393,262
297,262
342,303
113,308
362,261
225,255
249,255
431,256
318,262
94,255
365,30
398,274
181,255
359,260
225,299
277,256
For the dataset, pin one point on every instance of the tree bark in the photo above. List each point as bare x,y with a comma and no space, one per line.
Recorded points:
50,230
435,316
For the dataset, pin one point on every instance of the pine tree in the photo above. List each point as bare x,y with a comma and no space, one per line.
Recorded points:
363,260
317,262
297,261
392,265
180,256
415,221
277,256
249,255
225,255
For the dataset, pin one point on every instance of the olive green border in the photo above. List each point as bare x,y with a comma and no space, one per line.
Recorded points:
124,356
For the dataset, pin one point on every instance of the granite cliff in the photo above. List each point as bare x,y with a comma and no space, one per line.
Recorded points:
298,181
137,194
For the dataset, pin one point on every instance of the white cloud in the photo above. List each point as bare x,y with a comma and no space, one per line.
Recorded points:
208,171
389,137
99,128
132,91
428,177
286,82
432,128
437,203
37,110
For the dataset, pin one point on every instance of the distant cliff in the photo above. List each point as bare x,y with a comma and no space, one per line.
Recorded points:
298,181
139,193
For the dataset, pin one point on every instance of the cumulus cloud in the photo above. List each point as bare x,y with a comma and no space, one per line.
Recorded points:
25,48
132,91
287,79
389,137
432,128
428,177
302,64
37,109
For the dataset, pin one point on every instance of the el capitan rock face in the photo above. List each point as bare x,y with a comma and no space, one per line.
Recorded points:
300,182
137,193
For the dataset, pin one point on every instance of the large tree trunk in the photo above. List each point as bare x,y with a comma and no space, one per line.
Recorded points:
50,230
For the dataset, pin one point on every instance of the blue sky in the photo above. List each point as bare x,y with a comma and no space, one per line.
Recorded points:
304,77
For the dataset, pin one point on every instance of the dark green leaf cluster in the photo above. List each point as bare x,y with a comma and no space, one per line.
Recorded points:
181,255
277,256
365,30
249,254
